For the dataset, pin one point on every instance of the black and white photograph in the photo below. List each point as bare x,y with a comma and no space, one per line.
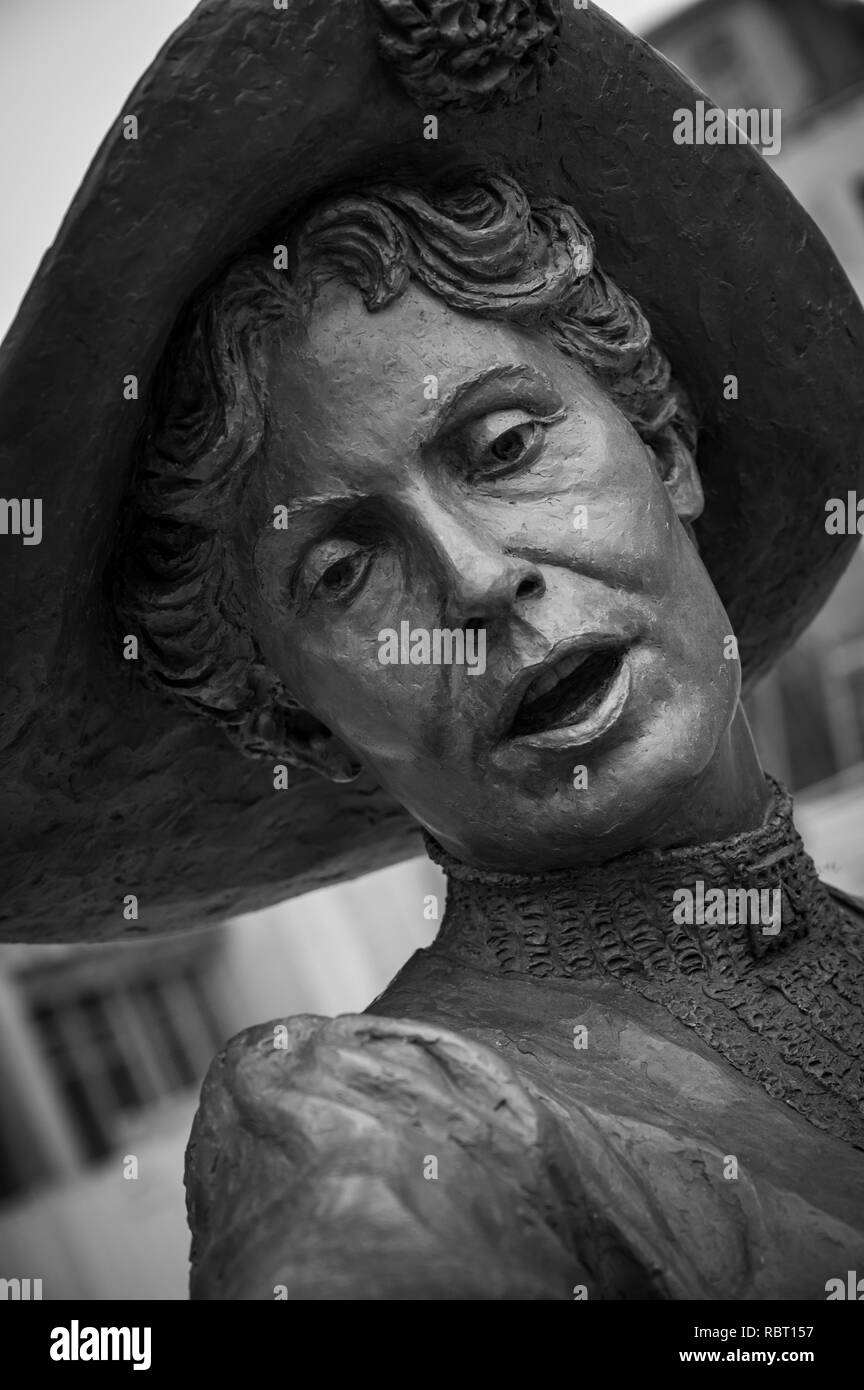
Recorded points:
432,667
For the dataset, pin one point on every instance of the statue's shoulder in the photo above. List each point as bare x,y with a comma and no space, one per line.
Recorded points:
367,1156
344,1058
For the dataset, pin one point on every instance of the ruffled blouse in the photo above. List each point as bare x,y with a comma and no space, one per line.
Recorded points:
571,1094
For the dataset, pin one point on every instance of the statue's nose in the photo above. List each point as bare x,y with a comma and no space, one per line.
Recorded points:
489,586
483,579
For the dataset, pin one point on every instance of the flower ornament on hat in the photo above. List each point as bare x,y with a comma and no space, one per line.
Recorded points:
470,53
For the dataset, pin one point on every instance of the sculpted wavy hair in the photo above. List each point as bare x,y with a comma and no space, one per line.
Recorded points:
480,246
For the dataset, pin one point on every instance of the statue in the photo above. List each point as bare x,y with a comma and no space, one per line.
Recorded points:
420,502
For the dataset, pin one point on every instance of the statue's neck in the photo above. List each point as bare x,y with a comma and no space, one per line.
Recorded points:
652,914
784,1007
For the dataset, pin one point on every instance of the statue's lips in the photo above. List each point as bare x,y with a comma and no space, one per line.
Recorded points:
571,691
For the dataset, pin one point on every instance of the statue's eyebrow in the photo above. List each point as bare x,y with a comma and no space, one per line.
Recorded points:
474,387
299,522
334,500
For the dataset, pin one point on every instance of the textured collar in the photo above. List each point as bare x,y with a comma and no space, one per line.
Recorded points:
624,917
784,1009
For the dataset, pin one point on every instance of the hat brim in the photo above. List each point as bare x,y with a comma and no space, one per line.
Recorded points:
110,790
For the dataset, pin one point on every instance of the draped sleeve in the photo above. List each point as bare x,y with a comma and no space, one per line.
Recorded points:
373,1158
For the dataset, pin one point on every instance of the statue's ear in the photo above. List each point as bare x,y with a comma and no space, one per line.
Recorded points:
676,465
279,728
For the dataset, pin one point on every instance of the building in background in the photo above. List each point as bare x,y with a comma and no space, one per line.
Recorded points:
805,57
103,1050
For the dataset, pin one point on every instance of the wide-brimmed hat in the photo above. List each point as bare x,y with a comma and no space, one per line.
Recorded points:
110,789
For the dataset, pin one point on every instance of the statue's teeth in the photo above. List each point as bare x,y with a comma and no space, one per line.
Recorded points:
543,684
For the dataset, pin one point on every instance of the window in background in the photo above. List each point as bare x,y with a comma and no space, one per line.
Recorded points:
120,1028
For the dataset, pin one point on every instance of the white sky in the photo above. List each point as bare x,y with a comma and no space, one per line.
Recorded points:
65,70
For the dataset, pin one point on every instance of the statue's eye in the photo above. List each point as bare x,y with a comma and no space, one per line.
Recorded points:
503,443
335,570
510,446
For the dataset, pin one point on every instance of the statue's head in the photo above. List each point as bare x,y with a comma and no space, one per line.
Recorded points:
440,432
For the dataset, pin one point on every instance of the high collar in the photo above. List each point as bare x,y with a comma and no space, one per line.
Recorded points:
623,917
784,1010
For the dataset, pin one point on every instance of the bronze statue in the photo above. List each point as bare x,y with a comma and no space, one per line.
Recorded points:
421,504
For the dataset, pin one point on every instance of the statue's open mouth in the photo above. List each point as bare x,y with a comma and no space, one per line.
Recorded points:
569,692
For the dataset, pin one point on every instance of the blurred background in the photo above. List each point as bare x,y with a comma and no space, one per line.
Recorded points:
102,1049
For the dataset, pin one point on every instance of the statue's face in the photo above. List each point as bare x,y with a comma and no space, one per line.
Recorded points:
422,489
